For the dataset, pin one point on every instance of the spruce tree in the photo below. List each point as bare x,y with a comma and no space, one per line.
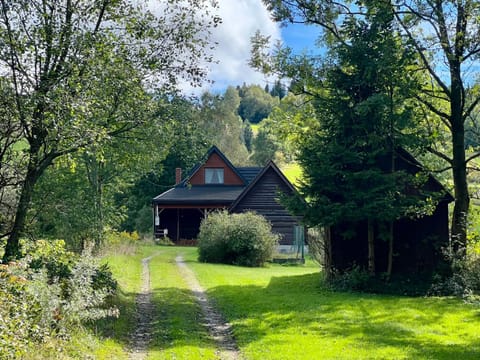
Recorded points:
363,113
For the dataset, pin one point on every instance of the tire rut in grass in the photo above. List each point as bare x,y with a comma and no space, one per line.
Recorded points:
145,314
218,328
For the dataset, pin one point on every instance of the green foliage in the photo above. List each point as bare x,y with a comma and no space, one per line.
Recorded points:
356,279
256,104
291,120
222,126
444,61
91,64
52,256
264,147
248,136
184,141
464,282
362,102
241,239
278,90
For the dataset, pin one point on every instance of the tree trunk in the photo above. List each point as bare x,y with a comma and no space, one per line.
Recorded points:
35,169
390,251
462,198
459,166
12,248
371,248
327,254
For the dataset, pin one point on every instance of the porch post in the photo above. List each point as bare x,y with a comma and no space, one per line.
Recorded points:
178,225
154,207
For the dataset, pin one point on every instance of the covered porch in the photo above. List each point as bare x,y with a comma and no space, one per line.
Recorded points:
180,224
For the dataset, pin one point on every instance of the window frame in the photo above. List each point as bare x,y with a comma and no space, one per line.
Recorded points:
219,172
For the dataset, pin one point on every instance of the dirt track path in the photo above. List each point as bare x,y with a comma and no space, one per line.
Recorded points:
145,313
216,325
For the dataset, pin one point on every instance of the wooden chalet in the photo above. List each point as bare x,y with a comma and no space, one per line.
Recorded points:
216,184
418,244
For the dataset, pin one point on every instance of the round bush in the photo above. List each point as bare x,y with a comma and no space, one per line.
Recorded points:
242,239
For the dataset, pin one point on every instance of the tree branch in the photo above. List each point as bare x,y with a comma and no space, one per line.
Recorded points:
440,155
424,59
443,116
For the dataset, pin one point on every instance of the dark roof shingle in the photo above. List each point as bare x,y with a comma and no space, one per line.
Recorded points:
197,195
249,173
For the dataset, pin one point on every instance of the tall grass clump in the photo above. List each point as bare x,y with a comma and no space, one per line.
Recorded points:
241,239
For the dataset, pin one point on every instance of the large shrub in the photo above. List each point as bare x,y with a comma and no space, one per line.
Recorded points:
241,239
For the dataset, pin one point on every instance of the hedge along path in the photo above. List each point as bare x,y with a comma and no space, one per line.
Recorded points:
145,314
218,328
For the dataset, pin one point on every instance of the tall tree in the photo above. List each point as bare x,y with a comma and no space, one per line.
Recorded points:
221,124
66,60
445,37
184,142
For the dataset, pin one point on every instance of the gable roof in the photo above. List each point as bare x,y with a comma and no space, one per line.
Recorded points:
251,185
210,194
211,151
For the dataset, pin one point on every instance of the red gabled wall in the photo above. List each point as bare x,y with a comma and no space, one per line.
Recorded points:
215,161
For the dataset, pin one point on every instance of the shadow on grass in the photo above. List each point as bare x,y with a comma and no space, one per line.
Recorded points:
420,327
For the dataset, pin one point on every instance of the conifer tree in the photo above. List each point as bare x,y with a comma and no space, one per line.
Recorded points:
363,112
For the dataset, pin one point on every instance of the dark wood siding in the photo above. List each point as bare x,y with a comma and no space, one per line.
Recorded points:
262,198
418,245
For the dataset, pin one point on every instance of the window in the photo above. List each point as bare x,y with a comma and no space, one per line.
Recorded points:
213,176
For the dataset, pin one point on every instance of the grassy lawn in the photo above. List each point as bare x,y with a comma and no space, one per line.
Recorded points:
293,172
113,334
284,312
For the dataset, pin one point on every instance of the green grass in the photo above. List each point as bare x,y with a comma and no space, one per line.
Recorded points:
113,334
255,128
285,312
293,172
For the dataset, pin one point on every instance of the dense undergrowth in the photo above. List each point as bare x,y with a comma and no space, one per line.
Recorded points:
47,298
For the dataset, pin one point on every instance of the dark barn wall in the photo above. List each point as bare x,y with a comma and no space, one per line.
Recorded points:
418,245
421,243
262,199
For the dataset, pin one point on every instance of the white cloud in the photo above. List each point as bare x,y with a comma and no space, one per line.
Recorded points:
240,20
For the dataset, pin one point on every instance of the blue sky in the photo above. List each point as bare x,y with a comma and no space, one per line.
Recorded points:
300,37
